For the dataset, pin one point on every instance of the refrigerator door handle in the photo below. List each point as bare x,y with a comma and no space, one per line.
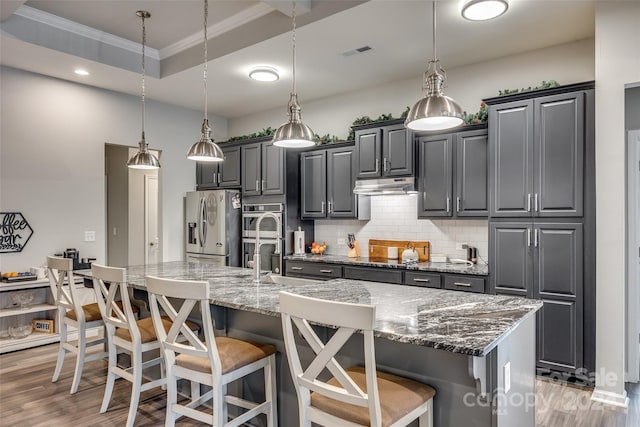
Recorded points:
203,222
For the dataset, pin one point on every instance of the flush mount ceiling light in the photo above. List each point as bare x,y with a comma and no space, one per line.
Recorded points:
482,10
294,133
264,74
435,111
81,72
205,150
143,159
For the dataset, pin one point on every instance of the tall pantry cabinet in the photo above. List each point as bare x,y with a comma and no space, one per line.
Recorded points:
542,217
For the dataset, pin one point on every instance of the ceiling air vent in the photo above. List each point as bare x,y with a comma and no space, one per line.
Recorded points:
356,51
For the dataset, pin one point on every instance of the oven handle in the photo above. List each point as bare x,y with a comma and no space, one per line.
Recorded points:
202,230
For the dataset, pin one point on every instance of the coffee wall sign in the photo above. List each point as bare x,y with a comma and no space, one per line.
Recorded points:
15,232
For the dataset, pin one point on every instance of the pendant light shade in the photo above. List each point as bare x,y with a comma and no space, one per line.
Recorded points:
294,133
205,150
143,159
435,111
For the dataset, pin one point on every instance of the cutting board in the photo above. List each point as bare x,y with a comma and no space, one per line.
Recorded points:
379,248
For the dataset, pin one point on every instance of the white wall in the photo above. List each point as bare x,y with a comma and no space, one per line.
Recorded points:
567,63
395,218
52,140
617,64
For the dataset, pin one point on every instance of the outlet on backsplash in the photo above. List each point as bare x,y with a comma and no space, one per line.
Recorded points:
395,218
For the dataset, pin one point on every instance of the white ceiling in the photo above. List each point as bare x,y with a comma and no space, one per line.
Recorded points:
246,33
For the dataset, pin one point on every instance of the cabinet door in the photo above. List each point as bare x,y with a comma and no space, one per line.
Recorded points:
251,169
434,184
511,159
229,170
397,151
368,149
558,260
341,172
559,156
313,170
206,175
471,174
511,258
272,169
559,343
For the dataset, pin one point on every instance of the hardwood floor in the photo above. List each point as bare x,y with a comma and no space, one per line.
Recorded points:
29,398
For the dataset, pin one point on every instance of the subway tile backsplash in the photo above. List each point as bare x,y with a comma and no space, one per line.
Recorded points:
395,218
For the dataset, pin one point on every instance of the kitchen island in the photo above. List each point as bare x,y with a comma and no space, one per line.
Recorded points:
477,351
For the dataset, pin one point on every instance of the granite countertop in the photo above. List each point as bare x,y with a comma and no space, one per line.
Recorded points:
474,270
458,322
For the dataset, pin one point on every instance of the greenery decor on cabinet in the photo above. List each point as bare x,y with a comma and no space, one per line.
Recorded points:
482,116
544,85
263,133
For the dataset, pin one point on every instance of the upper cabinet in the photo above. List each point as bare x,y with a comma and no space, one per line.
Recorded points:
537,156
327,181
384,151
452,174
224,174
263,166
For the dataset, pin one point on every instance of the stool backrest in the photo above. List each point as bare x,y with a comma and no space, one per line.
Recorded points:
109,284
65,296
178,299
298,311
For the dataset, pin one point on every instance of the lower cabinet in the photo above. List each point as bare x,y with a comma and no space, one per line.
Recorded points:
419,278
544,260
316,270
373,274
464,283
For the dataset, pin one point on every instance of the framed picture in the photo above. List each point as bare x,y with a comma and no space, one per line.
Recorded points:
42,325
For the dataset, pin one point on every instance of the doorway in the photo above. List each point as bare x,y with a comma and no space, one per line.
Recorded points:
133,214
633,251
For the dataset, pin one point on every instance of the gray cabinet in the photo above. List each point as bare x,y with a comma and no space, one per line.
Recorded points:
457,282
262,169
327,181
313,269
373,274
537,156
544,261
224,174
384,151
452,175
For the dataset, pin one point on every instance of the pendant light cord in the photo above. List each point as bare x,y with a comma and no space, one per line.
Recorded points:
293,13
204,73
144,40
435,52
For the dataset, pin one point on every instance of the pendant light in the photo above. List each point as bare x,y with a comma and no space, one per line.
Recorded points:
294,133
205,150
435,111
483,10
143,159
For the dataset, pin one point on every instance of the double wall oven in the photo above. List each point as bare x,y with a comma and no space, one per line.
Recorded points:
268,236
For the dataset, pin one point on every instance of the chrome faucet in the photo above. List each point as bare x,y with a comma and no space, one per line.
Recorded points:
256,254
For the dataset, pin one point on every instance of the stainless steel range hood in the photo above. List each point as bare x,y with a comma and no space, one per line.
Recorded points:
385,186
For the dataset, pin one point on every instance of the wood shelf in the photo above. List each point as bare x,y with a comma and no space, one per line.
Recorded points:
35,339
32,308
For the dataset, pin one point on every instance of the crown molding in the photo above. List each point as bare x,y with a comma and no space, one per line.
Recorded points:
69,26
250,14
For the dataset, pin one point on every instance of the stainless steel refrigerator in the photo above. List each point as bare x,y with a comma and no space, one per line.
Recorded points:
213,227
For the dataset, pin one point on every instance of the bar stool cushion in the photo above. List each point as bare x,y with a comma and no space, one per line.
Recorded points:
147,331
398,396
92,312
234,353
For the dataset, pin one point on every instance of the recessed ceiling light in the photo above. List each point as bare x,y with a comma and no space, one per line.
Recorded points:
264,74
81,72
482,10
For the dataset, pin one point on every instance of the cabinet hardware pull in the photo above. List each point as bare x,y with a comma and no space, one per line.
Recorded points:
535,238
326,271
377,165
458,204
529,202
297,268
528,237
466,285
257,185
385,165
219,179
535,202
322,206
422,280
263,185
330,209
448,204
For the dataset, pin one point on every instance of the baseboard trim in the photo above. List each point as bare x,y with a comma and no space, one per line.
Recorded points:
609,398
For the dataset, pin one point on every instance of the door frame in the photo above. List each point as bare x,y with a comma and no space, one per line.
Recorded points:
633,256
147,179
